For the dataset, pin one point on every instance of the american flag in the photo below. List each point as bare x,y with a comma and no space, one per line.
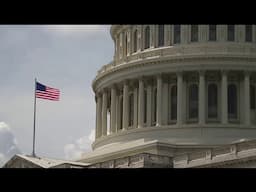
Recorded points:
45,92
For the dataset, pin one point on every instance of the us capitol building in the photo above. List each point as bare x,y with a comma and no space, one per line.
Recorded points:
177,96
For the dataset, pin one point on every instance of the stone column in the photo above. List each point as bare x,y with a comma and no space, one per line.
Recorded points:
184,34
135,117
201,97
224,98
222,33
179,97
118,119
159,101
149,103
125,105
139,45
141,104
254,33
125,44
113,110
104,113
116,47
121,52
247,114
203,33
153,36
240,33
129,42
98,116
96,123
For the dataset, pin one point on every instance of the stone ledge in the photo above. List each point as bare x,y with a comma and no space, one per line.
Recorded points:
142,160
234,153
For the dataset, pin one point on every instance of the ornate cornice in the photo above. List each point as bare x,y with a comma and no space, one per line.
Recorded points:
180,62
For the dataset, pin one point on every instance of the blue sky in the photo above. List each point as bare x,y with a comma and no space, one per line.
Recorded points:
66,57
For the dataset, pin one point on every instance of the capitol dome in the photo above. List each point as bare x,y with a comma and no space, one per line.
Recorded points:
172,89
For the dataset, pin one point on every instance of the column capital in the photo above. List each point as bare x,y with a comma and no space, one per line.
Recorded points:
104,90
159,75
113,86
126,82
148,81
179,72
247,72
202,72
98,94
224,71
142,78
134,84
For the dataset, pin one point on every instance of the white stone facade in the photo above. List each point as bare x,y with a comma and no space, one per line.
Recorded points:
188,86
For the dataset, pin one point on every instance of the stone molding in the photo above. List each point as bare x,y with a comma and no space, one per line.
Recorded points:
235,153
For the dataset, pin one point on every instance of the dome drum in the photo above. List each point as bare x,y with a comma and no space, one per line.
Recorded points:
179,85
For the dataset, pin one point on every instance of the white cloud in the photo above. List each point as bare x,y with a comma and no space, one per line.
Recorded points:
8,143
4,127
72,152
75,150
3,159
92,135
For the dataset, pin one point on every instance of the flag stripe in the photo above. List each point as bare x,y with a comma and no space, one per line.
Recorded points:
48,98
42,95
47,95
42,92
45,92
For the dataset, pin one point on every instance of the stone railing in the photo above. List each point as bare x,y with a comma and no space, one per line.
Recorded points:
214,155
136,161
186,50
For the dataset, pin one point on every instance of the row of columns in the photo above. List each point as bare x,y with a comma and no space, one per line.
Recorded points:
124,41
101,104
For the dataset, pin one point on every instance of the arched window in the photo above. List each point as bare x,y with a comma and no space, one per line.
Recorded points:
176,34
174,102
131,109
232,101
248,33
160,35
135,41
231,32
145,105
194,33
212,32
252,97
193,101
212,101
147,37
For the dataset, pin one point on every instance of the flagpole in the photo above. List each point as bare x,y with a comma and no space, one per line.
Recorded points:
33,153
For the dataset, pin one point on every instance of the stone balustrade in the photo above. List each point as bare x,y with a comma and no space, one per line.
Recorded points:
212,157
